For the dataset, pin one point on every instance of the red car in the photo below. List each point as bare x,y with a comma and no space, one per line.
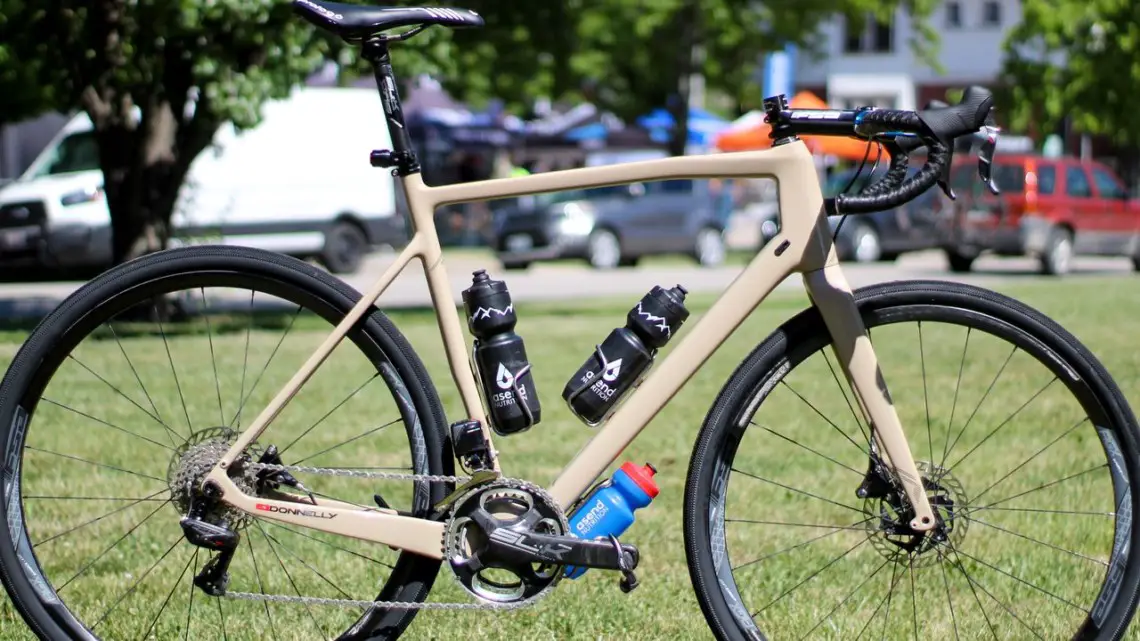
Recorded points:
1049,208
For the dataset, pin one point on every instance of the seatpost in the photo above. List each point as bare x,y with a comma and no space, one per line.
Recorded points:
402,157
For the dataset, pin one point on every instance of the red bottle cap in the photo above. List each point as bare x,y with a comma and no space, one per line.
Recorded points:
642,477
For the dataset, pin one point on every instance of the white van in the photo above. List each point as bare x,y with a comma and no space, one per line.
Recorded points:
299,183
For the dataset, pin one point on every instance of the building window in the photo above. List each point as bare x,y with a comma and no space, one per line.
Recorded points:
871,36
991,14
953,15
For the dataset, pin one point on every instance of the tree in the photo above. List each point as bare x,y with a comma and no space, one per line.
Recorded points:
157,78
633,57
1077,61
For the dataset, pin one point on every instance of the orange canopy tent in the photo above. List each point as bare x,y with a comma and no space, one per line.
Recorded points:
757,137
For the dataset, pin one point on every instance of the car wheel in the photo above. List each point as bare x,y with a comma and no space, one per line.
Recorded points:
865,246
603,250
1057,259
516,265
345,247
960,263
710,250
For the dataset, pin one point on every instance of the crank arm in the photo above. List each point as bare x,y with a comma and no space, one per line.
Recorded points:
531,547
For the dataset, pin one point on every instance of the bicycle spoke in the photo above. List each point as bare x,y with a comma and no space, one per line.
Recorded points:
1033,540
334,546
103,465
809,525
305,563
882,601
970,584
845,600
949,599
860,423
355,438
106,424
90,498
1001,425
329,413
925,396
190,606
136,584
272,355
820,414
129,400
213,360
1039,488
995,599
289,576
166,601
954,405
1019,580
245,361
96,519
222,619
837,529
261,587
913,597
173,370
157,414
792,489
813,574
1040,511
109,548
802,446
1028,460
970,418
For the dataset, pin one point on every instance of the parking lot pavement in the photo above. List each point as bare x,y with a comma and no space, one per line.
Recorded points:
569,281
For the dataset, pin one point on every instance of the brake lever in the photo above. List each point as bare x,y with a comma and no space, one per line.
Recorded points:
986,155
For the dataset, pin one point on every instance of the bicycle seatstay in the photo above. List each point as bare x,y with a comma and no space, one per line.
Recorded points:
803,245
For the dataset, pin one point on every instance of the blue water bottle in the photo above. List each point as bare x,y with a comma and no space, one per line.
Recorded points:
609,509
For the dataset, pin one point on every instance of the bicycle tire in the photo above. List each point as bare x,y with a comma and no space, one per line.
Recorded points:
753,381
412,576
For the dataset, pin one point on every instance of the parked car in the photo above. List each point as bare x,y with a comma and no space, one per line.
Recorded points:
284,185
877,236
1049,208
612,226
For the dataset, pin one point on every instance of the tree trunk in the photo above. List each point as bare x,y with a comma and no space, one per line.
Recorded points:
144,166
690,31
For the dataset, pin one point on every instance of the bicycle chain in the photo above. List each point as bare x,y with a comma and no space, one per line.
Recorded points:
353,603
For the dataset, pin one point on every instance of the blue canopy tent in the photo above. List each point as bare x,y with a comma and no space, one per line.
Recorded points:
703,126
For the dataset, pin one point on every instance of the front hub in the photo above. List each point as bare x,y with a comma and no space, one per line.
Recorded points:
889,517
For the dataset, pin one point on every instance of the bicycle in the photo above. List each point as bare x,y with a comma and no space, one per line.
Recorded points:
228,484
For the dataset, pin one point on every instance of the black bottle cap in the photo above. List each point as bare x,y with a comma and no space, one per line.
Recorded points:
488,305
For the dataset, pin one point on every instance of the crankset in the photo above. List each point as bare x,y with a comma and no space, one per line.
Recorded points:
509,541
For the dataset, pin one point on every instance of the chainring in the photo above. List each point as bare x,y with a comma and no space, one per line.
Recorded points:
514,505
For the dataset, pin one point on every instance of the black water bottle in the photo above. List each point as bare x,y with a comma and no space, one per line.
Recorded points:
500,356
619,362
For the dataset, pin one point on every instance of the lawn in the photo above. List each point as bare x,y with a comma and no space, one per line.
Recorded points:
1100,312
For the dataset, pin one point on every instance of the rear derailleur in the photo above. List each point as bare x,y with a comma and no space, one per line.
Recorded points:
205,525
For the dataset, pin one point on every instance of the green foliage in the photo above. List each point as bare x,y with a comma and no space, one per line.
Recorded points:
21,94
1078,60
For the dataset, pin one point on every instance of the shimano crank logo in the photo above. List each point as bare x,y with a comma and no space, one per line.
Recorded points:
312,514
321,10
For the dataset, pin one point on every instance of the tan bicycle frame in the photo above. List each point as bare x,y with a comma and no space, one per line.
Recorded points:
803,245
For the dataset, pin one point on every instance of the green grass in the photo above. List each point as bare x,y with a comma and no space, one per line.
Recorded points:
1100,312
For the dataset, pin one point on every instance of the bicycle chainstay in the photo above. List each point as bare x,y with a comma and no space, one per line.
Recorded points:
395,605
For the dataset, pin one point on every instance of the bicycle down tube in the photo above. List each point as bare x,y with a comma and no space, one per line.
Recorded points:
803,245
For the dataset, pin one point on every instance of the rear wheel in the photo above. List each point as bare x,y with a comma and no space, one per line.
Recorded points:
1027,448
345,248
960,261
710,249
865,244
131,390
1057,259
603,249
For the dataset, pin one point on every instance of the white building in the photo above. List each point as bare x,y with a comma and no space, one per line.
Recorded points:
875,65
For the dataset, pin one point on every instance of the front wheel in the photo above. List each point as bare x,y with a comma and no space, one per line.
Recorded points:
1027,448
128,393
